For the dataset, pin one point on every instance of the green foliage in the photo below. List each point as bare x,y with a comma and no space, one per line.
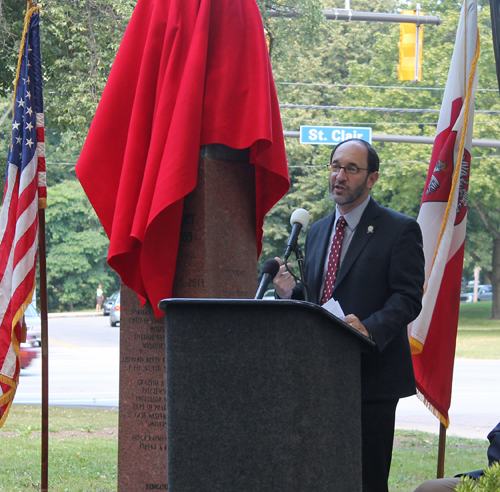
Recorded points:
79,46
76,249
357,64
489,482
79,43
299,21
355,61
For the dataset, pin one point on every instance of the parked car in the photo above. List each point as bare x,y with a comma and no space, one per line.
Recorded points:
484,293
33,325
108,303
114,315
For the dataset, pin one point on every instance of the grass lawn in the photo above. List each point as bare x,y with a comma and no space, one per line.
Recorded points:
415,458
83,452
478,336
83,449
83,443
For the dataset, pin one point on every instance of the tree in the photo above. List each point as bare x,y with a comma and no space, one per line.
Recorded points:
358,61
76,249
79,43
79,40
340,52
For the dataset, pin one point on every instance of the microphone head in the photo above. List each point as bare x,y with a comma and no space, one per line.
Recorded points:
271,266
300,216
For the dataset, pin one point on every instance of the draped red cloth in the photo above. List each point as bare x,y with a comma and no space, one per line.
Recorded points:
188,73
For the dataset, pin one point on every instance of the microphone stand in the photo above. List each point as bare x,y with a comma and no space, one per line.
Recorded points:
300,261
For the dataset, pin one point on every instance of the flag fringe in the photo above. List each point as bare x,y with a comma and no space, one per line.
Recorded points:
444,420
23,307
7,398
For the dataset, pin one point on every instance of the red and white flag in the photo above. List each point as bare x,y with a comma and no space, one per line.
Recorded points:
24,193
443,219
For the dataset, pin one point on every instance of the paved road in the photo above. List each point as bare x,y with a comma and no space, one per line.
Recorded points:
475,403
84,370
83,364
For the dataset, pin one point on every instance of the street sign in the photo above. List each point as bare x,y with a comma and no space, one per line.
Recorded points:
332,135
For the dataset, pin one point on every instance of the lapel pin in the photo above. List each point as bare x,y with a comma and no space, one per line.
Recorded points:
370,230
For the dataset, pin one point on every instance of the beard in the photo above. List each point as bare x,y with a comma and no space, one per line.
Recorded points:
350,195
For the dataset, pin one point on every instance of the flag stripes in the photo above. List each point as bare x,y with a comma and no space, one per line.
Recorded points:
24,193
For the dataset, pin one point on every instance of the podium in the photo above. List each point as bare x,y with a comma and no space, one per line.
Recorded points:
262,396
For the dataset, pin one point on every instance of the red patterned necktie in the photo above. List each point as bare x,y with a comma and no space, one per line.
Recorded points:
333,260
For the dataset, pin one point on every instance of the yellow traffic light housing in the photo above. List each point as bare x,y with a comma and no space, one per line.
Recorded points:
410,50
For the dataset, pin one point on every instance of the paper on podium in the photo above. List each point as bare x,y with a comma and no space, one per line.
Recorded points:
333,306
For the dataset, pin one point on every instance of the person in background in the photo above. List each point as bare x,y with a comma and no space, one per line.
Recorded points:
99,298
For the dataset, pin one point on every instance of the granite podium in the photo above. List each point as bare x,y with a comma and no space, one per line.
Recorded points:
261,395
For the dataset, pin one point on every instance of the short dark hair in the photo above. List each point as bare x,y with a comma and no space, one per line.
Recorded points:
372,156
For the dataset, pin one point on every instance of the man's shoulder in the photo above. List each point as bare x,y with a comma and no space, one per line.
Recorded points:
387,213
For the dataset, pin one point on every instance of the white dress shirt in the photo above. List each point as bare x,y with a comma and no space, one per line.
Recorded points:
352,219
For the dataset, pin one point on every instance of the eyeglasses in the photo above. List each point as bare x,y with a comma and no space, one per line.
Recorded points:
349,169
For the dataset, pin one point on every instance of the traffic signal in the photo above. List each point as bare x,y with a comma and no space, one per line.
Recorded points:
408,49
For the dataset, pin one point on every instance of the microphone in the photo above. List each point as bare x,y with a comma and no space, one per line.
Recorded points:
299,220
269,270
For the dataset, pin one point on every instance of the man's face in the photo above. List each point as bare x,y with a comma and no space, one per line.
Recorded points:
350,190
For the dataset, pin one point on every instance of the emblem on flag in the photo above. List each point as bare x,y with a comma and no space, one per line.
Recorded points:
443,218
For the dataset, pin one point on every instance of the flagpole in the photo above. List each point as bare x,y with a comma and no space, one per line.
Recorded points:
45,350
441,450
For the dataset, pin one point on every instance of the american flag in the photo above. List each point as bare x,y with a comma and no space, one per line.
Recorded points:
24,193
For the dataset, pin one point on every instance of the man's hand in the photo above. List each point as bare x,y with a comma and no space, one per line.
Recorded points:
353,321
283,282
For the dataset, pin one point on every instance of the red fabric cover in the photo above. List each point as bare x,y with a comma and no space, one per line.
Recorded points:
188,73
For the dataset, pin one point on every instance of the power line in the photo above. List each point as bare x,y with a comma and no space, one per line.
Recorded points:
381,110
355,86
364,123
371,123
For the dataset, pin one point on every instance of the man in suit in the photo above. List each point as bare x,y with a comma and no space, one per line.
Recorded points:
449,484
378,281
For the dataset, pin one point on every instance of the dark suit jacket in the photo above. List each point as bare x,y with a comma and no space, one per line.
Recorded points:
381,282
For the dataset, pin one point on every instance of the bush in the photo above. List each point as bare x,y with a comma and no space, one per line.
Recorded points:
489,482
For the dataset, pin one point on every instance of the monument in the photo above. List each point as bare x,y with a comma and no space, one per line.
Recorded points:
217,259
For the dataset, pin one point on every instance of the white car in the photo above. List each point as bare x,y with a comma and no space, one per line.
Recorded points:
484,293
108,303
33,326
114,314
